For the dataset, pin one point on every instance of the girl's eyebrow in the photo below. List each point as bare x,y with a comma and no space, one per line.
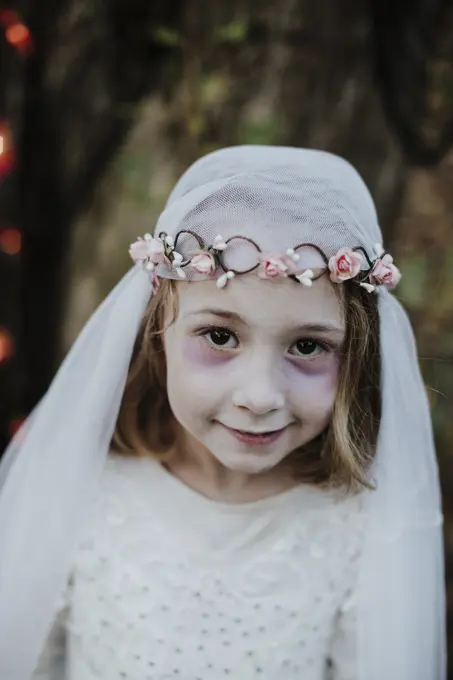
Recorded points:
223,313
322,328
303,328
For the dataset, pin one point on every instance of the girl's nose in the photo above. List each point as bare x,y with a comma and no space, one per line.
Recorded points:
259,389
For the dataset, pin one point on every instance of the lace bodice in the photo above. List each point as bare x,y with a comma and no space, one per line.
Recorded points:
168,584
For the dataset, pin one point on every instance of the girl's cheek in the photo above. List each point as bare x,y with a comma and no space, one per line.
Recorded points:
197,351
313,391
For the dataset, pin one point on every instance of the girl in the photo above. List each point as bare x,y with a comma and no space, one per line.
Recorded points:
233,473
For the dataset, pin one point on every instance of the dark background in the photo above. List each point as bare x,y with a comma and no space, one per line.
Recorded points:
103,104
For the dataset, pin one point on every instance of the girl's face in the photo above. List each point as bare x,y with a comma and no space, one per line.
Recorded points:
252,369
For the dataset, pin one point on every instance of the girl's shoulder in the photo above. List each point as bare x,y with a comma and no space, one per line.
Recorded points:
126,469
339,527
123,495
127,481
124,491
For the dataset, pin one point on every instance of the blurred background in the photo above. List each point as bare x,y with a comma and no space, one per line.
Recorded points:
103,105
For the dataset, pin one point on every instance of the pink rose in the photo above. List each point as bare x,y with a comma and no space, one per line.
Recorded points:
203,263
385,273
345,265
274,266
139,251
148,249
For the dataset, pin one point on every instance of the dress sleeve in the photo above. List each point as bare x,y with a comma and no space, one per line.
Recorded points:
52,662
342,658
343,645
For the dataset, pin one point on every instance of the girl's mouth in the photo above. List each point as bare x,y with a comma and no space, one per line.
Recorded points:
255,438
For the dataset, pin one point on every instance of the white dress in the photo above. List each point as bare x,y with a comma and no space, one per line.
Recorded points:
169,585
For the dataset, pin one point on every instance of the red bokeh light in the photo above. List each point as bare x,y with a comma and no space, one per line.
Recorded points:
6,345
10,241
16,33
7,155
19,37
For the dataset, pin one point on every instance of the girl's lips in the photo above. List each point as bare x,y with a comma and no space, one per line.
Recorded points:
255,439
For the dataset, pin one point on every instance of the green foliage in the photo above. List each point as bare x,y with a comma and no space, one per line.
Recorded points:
166,36
214,89
448,267
412,288
132,166
233,32
133,171
259,132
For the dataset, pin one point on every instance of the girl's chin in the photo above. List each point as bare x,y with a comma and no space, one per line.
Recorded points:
249,463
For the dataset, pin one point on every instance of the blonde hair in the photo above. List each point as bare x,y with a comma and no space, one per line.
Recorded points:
340,456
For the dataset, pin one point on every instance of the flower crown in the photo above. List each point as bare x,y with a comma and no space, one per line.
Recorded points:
347,264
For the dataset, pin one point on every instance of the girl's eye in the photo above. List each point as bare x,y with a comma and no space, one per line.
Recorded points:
307,348
221,337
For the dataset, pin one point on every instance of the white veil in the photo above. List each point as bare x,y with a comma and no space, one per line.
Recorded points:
279,198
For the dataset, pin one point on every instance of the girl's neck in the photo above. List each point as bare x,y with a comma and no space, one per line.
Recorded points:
202,472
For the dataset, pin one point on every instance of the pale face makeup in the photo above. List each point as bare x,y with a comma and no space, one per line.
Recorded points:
252,369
